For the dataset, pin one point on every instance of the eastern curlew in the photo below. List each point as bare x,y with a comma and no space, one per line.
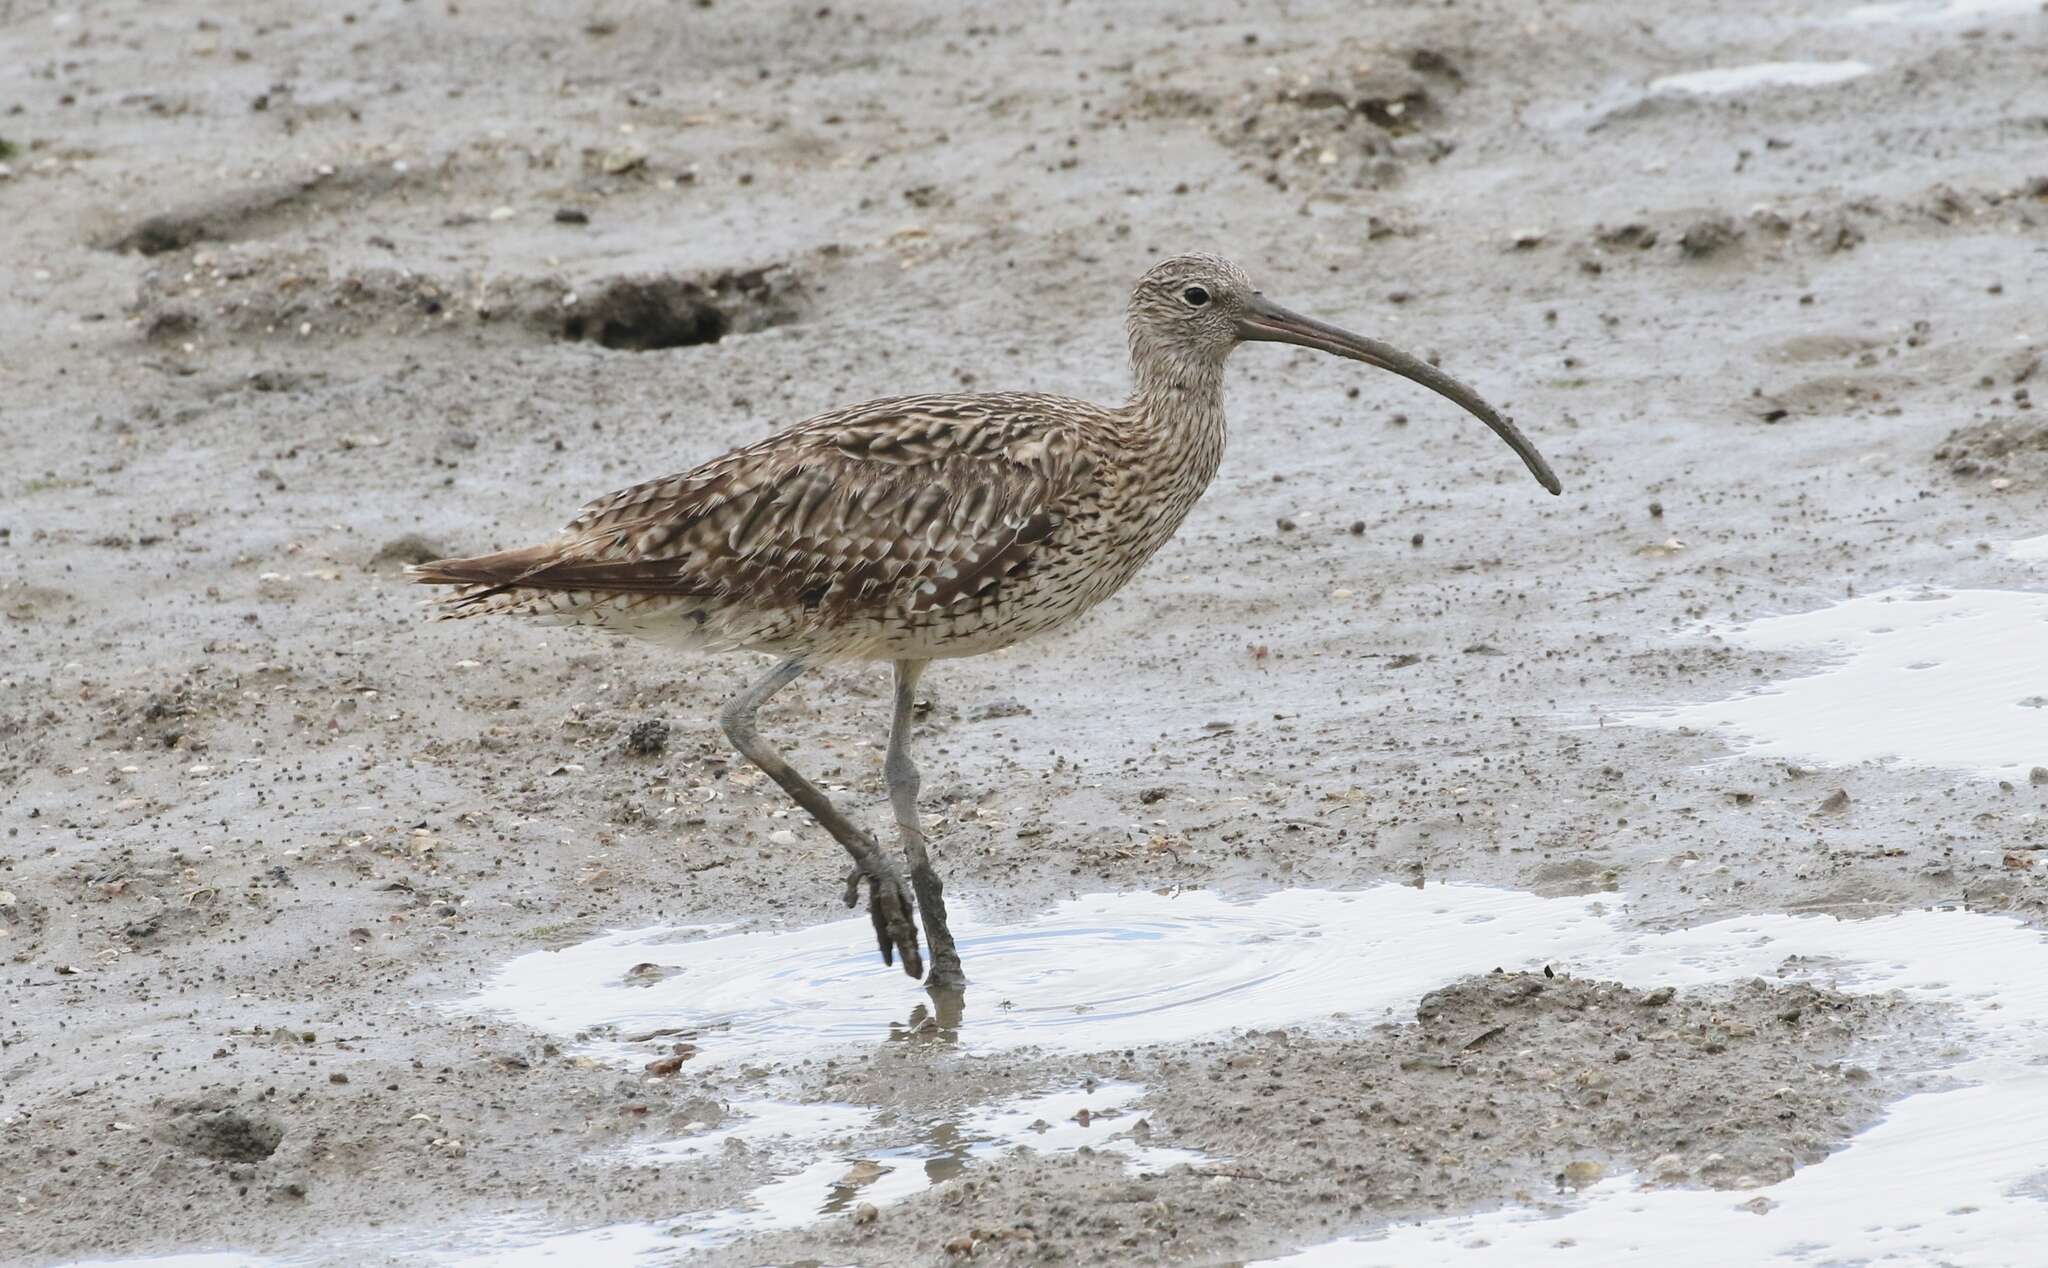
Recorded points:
920,528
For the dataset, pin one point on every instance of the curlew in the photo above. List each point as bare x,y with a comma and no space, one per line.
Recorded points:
920,528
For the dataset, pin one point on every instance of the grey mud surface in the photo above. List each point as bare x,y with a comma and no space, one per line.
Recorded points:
292,295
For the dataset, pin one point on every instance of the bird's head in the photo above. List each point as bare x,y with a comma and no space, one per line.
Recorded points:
1188,312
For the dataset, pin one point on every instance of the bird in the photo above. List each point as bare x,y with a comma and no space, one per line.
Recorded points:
919,528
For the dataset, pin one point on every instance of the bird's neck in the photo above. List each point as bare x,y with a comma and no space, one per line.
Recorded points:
1178,404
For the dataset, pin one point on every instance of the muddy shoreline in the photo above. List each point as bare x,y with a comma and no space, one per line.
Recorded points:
294,297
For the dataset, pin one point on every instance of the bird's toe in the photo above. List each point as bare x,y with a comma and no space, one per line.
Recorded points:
889,906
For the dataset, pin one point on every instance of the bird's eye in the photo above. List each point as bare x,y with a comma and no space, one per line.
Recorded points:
1195,296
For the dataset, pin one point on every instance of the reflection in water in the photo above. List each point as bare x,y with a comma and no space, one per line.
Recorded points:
937,1022
832,1184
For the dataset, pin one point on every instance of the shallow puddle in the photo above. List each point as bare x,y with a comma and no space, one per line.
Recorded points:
2031,549
832,1184
1940,10
1733,79
1961,1170
1957,1178
1955,679
1095,973
1952,1169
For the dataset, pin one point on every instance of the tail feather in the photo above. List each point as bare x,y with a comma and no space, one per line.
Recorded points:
504,568
488,581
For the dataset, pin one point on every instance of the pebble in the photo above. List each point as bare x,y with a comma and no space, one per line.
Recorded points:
1577,1175
866,1213
623,159
502,213
782,836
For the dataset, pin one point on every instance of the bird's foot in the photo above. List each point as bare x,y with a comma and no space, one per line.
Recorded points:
890,907
948,978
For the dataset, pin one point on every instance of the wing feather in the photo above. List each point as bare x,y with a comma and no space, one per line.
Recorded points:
914,504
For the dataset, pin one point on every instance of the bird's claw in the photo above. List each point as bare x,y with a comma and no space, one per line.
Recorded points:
889,906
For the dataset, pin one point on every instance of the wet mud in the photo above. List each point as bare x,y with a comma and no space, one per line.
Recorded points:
1405,862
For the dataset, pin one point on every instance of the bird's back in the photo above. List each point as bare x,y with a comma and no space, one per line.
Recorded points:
910,527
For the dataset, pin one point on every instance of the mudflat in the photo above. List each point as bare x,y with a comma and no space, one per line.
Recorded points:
1405,863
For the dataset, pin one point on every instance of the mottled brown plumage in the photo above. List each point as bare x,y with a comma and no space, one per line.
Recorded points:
919,528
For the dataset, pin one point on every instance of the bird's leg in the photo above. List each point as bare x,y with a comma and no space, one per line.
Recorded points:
901,774
888,901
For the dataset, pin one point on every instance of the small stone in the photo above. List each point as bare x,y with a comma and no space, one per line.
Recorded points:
1668,1168
1657,998
782,836
2038,776
1837,801
571,216
502,214
1577,1175
623,159
866,1213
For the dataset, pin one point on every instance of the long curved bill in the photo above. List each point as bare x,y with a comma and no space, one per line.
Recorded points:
1267,322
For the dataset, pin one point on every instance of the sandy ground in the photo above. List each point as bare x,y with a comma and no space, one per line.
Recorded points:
292,295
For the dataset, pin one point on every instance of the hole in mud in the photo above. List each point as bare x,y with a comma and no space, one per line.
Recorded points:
650,314
254,294
226,1135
